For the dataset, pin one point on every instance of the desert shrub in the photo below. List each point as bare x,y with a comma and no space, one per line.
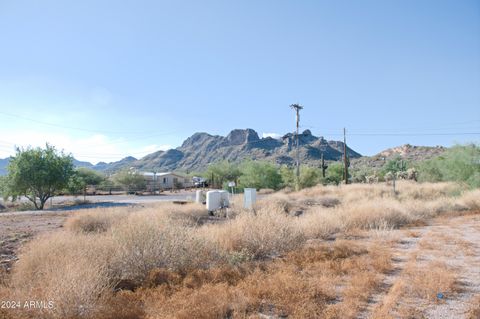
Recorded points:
188,214
205,302
131,181
334,173
328,201
319,222
288,176
394,166
427,281
69,269
368,215
325,201
360,174
309,176
460,163
265,191
94,221
265,234
221,172
470,199
259,174
145,242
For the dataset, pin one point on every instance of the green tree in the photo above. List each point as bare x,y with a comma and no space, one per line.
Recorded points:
334,174
259,174
38,174
395,165
82,178
130,181
221,172
309,176
288,176
460,163
5,192
89,176
75,185
107,185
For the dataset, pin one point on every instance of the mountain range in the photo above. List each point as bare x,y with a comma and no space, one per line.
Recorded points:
201,149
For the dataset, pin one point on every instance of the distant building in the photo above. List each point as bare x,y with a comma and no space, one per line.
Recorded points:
166,181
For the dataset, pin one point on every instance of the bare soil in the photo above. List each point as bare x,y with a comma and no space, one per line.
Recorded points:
452,241
15,230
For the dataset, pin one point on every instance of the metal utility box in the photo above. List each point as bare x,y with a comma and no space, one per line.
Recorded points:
199,197
249,197
214,200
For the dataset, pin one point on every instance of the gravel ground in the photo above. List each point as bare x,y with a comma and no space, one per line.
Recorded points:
465,244
455,241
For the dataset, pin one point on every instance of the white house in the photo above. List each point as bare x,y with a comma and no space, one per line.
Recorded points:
166,181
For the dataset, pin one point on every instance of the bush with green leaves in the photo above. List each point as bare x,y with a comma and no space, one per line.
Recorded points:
309,176
361,174
460,163
259,174
82,178
288,176
334,174
5,193
394,166
220,173
131,181
38,174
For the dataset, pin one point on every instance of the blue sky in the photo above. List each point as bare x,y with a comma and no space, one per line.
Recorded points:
106,79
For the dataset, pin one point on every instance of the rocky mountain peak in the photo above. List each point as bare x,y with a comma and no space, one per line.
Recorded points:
195,139
239,137
307,133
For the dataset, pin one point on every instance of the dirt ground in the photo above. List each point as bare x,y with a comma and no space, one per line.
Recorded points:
17,229
451,244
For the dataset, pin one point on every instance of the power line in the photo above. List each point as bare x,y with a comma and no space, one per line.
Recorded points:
410,134
440,126
72,127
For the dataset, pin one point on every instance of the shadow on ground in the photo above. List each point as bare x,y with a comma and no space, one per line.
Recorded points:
88,206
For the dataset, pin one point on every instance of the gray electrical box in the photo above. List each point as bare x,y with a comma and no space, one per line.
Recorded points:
249,197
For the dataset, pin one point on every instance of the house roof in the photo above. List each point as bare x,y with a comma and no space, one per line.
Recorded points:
162,174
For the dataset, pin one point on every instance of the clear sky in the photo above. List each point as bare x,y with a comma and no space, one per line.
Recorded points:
106,79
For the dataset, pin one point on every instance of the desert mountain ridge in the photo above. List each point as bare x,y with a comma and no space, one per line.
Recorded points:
202,149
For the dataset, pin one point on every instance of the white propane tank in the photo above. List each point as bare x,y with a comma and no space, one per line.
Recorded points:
199,196
214,200
249,197
225,200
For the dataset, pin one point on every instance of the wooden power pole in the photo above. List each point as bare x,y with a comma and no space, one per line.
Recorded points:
297,109
345,160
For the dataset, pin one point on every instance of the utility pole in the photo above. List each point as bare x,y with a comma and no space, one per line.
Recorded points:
345,160
297,109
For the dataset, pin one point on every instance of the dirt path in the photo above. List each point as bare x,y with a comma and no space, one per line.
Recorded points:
453,243
461,250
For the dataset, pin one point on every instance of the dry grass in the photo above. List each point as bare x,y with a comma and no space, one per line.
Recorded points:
257,262
303,284
95,221
266,234
149,241
428,280
418,284
69,269
474,311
